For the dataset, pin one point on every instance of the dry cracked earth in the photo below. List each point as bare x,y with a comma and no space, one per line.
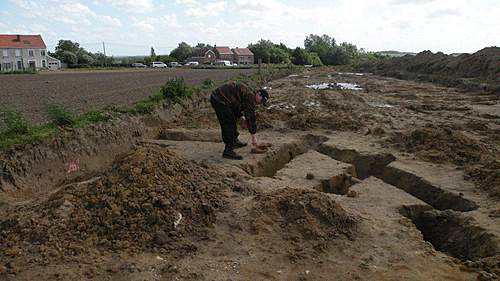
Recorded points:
379,179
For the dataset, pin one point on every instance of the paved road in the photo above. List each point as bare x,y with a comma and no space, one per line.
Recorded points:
82,91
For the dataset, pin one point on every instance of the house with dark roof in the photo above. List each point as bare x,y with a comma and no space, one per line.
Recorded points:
242,56
20,52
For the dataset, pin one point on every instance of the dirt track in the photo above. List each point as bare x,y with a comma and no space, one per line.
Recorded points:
83,91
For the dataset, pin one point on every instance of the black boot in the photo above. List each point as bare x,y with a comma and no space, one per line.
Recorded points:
239,144
230,154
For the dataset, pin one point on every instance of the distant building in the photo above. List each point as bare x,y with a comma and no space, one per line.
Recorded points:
242,56
224,53
20,52
53,63
207,57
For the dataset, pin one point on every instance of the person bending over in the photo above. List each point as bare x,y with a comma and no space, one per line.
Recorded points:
231,102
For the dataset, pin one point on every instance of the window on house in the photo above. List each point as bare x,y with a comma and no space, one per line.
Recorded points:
5,53
42,52
44,64
19,65
31,53
18,53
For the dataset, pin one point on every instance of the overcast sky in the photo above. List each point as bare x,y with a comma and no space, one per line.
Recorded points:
131,27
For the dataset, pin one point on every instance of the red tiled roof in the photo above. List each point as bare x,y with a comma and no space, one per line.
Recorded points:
223,50
242,52
25,41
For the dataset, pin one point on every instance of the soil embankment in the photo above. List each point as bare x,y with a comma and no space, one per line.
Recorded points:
478,71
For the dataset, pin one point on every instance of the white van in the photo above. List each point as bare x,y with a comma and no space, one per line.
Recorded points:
158,64
223,62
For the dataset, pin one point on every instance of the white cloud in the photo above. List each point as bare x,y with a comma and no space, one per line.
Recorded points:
207,9
187,2
131,6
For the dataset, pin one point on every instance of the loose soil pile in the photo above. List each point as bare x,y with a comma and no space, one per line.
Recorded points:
151,197
441,145
482,66
448,145
302,214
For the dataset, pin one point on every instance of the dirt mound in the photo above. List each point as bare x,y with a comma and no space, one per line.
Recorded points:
341,121
302,214
440,145
487,176
457,71
490,265
150,197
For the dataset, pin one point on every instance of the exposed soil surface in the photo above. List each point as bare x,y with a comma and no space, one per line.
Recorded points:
480,71
84,91
397,181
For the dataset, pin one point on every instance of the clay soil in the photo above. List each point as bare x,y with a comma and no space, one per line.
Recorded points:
417,163
82,91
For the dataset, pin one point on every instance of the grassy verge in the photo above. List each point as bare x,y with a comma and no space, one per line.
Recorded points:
16,130
27,71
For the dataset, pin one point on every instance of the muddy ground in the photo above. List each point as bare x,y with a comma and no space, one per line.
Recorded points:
81,91
394,180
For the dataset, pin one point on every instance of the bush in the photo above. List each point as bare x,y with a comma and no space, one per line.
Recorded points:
207,84
143,107
59,116
91,117
175,90
26,71
14,123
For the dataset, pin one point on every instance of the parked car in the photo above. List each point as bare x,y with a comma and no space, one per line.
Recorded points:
138,65
222,62
158,64
174,64
192,63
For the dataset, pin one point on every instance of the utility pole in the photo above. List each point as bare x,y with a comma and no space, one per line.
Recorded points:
104,50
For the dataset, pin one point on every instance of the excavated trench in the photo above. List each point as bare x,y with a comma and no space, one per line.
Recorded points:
337,184
425,191
452,232
276,160
378,165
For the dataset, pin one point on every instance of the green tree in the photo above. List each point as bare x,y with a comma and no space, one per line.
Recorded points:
182,52
68,57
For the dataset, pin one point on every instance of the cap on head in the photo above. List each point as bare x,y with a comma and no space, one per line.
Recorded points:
265,96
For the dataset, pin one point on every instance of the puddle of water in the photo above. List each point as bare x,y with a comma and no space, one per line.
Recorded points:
293,75
321,86
380,105
312,103
339,86
349,86
351,73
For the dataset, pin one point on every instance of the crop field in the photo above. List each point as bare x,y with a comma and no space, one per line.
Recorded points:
82,91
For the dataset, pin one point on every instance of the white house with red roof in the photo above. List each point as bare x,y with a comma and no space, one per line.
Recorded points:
20,52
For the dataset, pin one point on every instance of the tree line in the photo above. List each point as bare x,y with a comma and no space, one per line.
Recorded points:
318,50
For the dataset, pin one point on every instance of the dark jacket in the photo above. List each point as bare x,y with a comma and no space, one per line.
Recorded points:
241,99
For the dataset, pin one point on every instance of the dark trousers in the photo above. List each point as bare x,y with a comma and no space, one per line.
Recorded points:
227,122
